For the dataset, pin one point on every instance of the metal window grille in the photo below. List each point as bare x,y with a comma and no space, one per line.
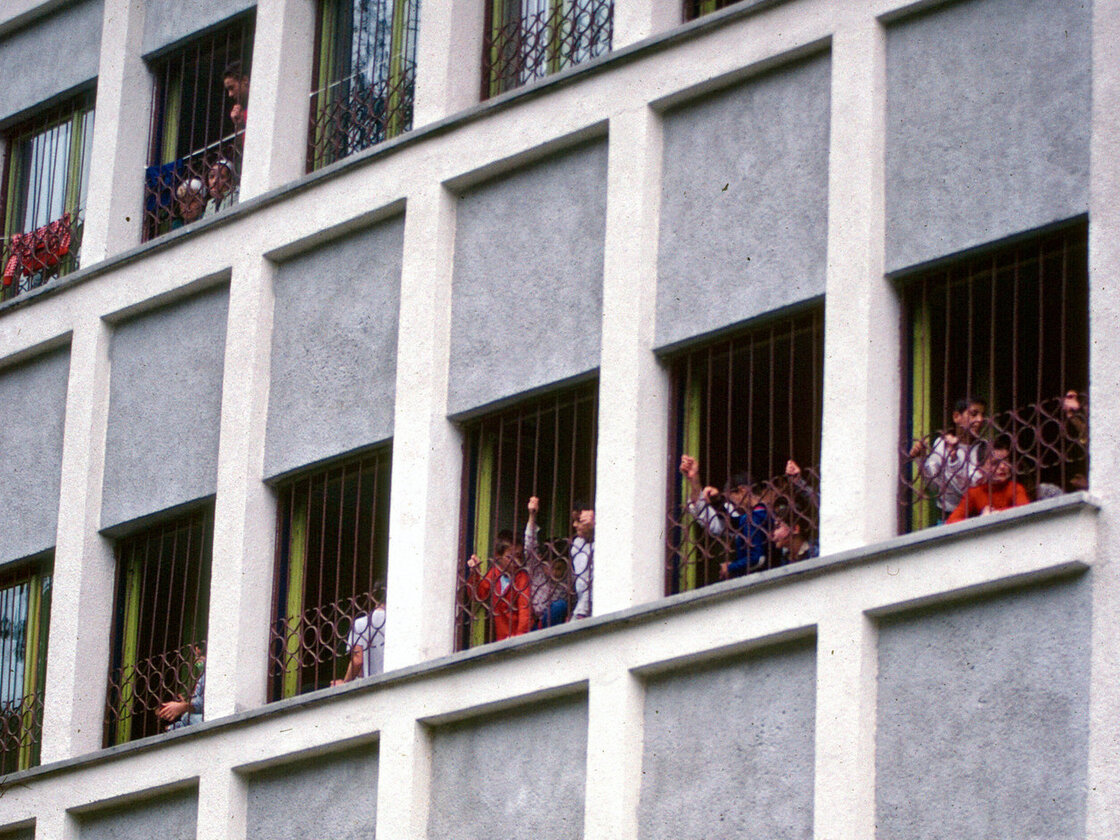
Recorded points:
530,39
696,8
160,619
197,131
25,606
1009,328
747,409
43,197
329,586
542,448
364,76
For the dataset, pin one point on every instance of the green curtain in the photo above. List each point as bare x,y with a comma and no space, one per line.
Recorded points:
400,63
32,673
922,422
483,524
129,647
293,609
325,88
690,556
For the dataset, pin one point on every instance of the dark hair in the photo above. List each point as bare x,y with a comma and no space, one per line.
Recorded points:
233,69
962,405
740,479
1002,442
505,541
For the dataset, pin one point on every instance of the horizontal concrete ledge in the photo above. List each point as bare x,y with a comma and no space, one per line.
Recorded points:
1062,507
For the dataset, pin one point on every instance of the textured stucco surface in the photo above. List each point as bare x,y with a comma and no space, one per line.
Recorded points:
983,718
728,749
167,21
165,393
172,817
987,123
49,56
527,295
333,796
517,774
334,348
33,396
744,201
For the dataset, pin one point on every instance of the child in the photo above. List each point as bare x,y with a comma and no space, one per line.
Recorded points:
506,586
953,465
548,577
996,491
582,551
743,509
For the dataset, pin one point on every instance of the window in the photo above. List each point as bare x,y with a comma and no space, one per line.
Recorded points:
329,586
997,351
695,8
364,74
199,112
159,630
25,610
43,200
514,578
746,419
530,39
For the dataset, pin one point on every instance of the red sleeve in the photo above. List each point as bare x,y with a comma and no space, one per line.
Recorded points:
522,605
481,586
1021,497
961,513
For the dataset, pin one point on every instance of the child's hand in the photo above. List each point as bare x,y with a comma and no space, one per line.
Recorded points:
534,504
690,469
951,440
710,494
473,562
792,470
918,449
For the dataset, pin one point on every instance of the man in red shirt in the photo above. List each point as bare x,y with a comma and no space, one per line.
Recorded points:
997,491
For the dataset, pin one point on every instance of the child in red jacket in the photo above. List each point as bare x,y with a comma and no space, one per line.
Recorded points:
506,586
996,491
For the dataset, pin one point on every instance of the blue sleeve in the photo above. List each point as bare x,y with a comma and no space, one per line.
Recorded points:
758,535
198,697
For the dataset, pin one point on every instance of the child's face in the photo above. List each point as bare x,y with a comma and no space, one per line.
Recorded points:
741,496
509,559
781,535
998,466
584,524
971,420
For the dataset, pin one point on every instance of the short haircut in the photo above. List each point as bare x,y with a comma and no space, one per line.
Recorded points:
740,479
1002,442
505,541
233,70
964,403
579,506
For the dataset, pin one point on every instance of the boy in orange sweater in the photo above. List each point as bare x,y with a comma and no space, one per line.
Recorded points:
505,585
997,491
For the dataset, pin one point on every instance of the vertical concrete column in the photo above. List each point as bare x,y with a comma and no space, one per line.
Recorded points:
222,802
633,411
847,669
615,720
1103,807
276,133
244,509
55,823
82,586
427,449
638,19
404,766
120,135
859,464
448,58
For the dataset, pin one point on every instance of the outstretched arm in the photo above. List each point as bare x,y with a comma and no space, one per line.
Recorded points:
357,658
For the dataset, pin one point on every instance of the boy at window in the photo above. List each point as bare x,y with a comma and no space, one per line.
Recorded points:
181,711
236,84
547,575
741,508
366,644
223,192
582,551
953,464
505,585
996,491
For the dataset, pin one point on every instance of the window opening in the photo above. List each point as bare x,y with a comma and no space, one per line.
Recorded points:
520,569
696,8
43,200
746,429
329,587
25,608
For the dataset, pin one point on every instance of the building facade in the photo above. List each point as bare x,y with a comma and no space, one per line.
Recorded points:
363,364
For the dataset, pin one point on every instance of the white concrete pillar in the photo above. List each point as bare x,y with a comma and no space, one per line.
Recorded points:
56,823
245,509
84,566
633,408
427,448
448,58
615,727
222,802
847,670
115,203
276,134
1103,787
638,19
404,765
859,461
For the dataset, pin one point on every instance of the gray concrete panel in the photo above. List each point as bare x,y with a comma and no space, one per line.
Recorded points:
172,817
168,21
983,718
728,749
987,124
527,295
50,56
520,773
165,393
744,201
331,796
334,348
33,396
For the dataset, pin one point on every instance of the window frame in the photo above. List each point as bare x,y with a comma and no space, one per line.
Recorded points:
36,575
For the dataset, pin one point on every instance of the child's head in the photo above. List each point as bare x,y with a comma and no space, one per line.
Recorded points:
740,490
220,178
968,416
997,466
507,550
583,520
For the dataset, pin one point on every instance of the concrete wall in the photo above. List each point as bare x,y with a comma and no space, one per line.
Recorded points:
331,796
983,724
33,395
168,21
987,123
171,817
519,773
61,51
744,201
334,348
728,749
165,392
527,293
